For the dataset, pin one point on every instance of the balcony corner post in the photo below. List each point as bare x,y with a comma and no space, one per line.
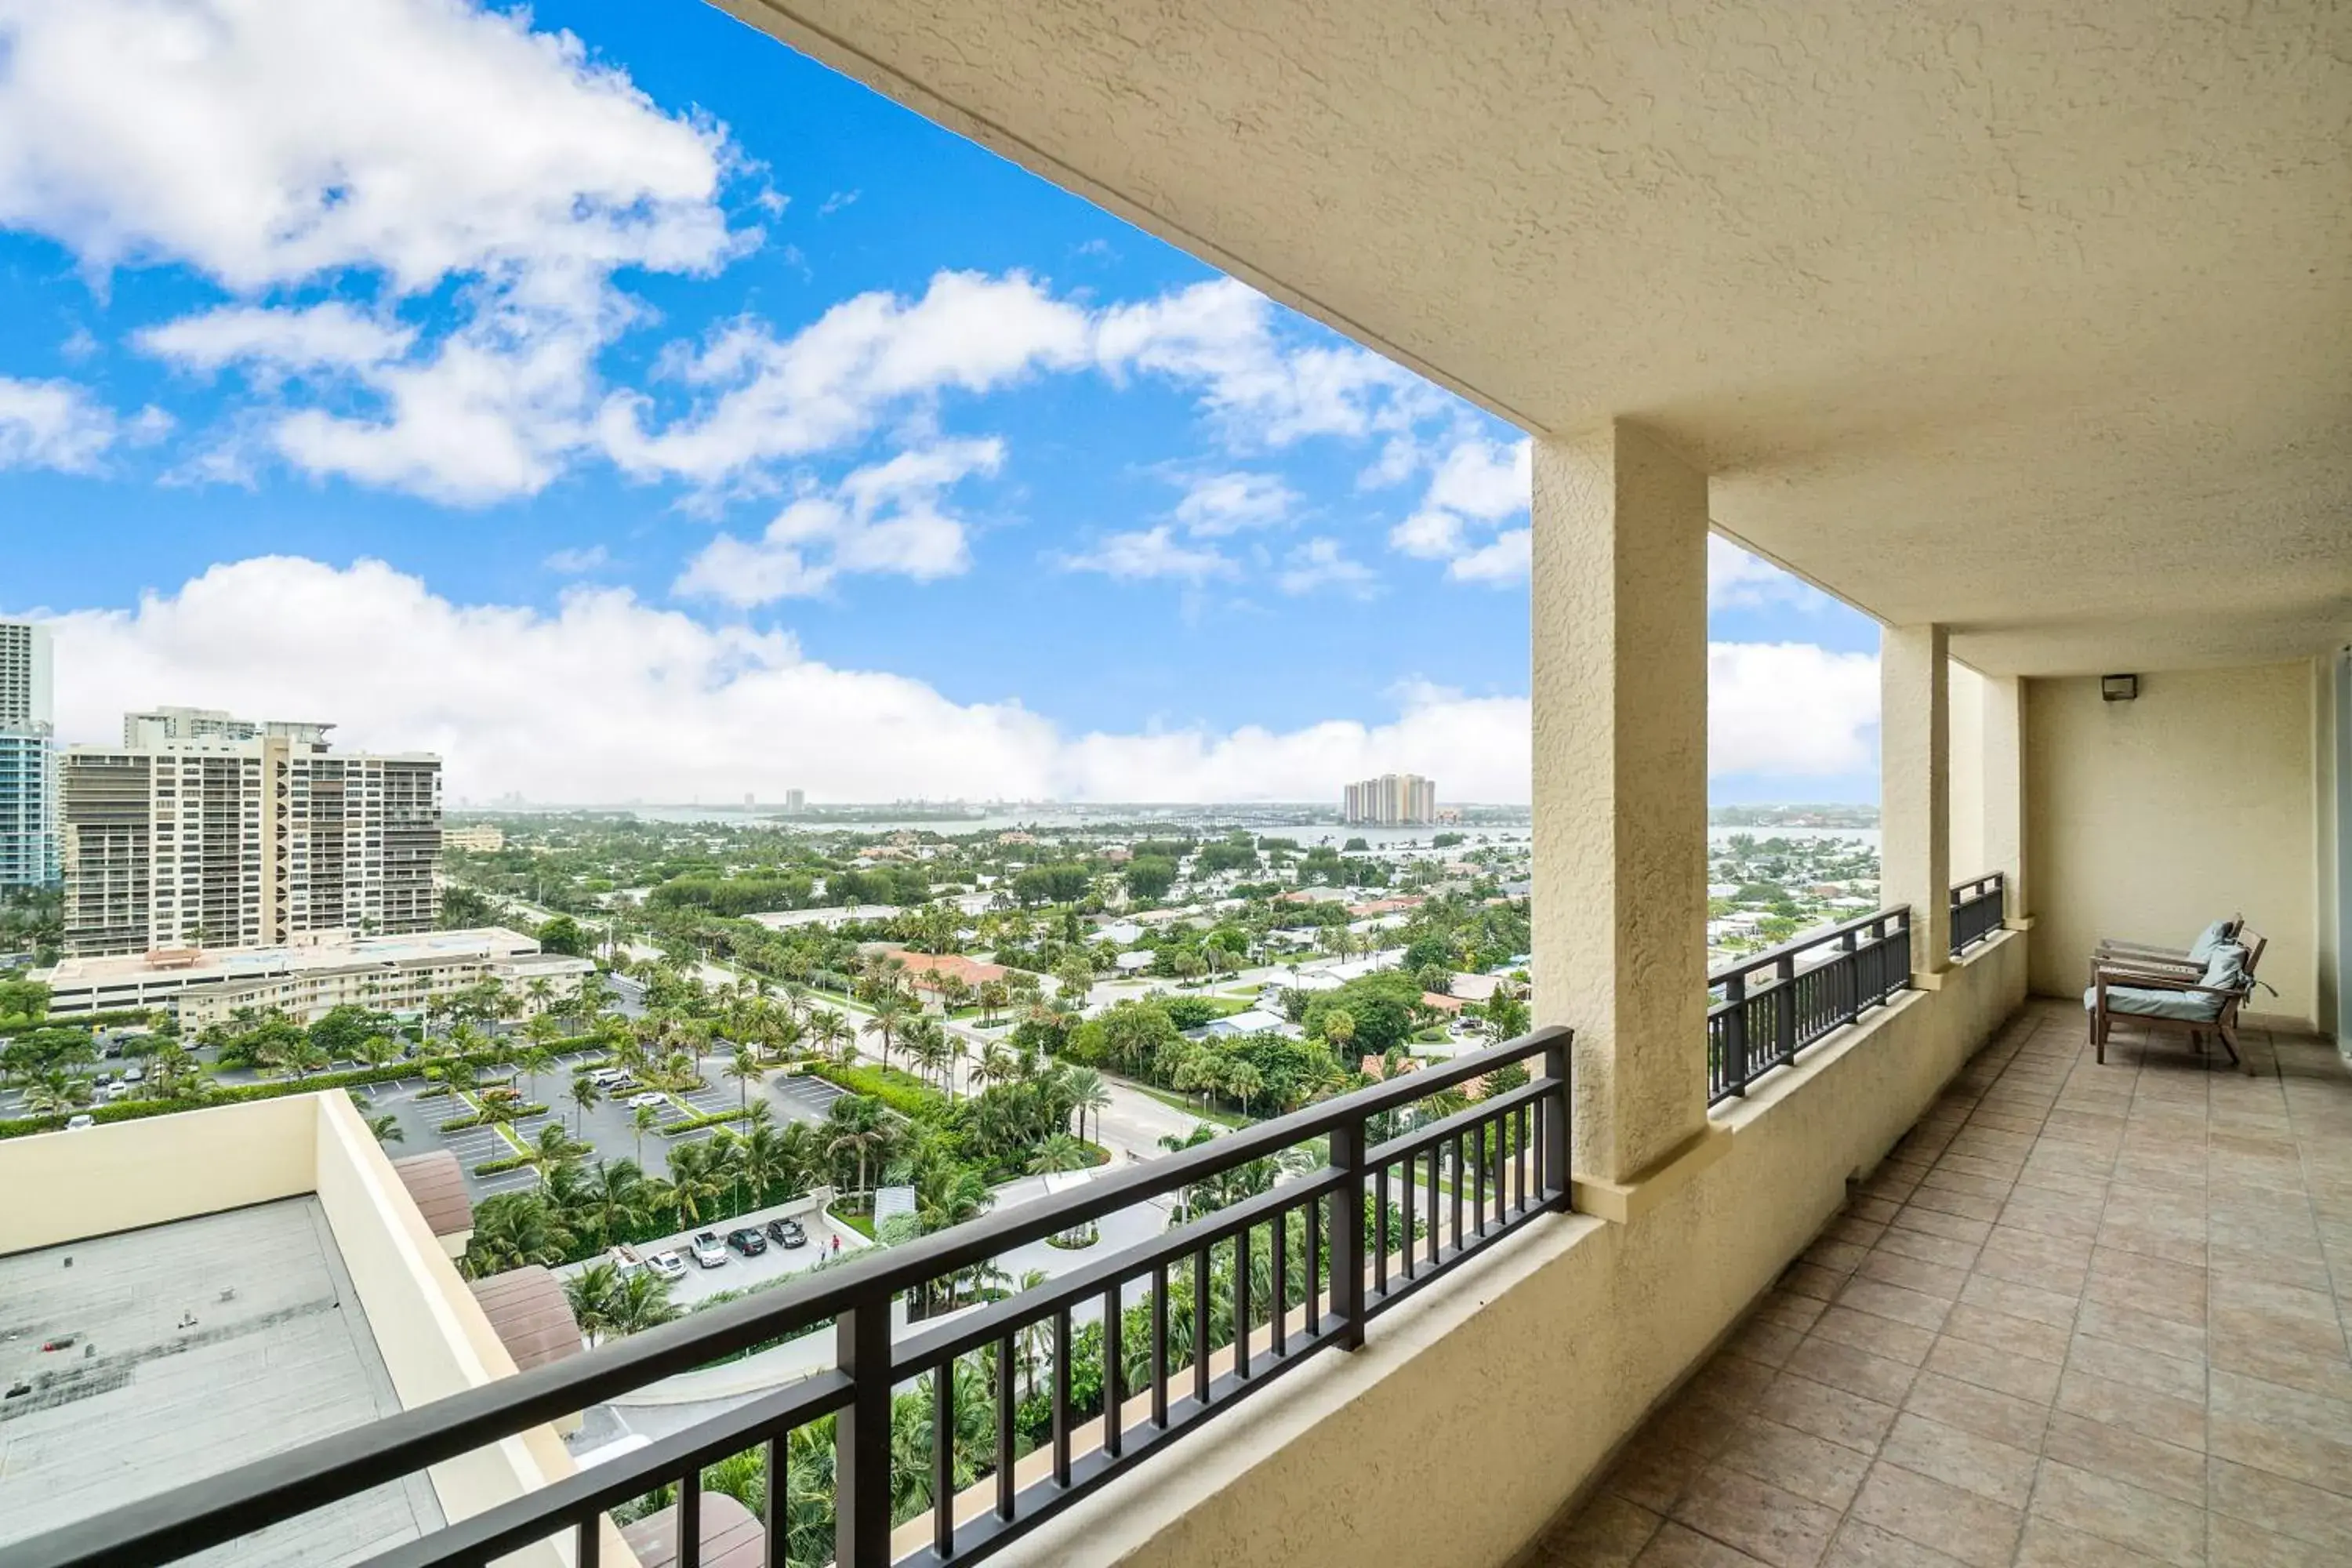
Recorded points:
861,1439
1346,1240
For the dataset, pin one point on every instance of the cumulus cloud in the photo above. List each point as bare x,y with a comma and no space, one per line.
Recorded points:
1475,484
1144,554
573,561
1216,504
53,424
1324,562
608,699
271,143
886,518
1739,581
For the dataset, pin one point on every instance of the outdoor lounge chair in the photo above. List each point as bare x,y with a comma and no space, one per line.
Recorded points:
2192,957
2164,996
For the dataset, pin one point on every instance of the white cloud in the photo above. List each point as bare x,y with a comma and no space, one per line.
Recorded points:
269,144
53,424
834,381
1736,580
1504,560
572,562
608,699
1323,562
888,518
321,336
1217,504
1790,709
1147,554
1475,484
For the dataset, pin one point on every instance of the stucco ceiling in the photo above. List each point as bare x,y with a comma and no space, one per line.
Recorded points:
2035,319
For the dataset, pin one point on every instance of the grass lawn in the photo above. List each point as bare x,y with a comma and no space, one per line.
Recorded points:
1189,1104
856,1222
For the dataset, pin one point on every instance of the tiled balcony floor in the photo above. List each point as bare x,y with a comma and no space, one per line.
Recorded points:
2083,1315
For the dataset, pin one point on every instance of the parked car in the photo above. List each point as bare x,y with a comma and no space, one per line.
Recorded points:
609,1077
747,1241
709,1250
111,1093
76,1123
668,1265
637,1102
787,1232
134,1074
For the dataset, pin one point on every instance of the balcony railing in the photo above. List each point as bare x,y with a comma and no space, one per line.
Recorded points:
1763,1010
1404,1192
1977,910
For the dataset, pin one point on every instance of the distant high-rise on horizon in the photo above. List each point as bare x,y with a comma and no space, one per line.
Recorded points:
1391,799
206,831
795,801
28,758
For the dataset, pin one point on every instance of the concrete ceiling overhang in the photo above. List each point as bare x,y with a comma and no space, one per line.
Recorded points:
2031,319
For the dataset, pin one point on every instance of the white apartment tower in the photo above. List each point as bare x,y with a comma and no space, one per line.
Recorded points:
241,835
1391,799
28,758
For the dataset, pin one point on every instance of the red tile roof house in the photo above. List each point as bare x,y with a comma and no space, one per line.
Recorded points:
925,970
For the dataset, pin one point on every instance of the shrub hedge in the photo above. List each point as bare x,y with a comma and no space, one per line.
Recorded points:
236,1094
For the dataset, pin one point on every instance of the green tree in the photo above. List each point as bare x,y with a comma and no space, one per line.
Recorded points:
585,1097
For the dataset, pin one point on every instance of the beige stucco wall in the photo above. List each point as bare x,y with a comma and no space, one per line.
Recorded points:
1478,1409
62,1186
1967,838
2150,818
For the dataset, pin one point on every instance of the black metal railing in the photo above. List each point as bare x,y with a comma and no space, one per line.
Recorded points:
1219,1305
1977,910
1763,1010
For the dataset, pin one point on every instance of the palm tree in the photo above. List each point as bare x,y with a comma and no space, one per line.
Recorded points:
590,1293
744,1067
927,1043
55,1092
696,1176
511,1229
615,1198
994,995
1087,1092
643,1119
1244,1082
888,1009
1060,1152
586,1095
857,1126
642,1302
554,1148
994,1066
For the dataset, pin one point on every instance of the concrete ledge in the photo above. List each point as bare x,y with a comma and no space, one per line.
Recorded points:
1621,1203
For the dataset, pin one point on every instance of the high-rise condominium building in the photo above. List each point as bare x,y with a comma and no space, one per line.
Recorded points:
1391,799
795,801
243,835
28,758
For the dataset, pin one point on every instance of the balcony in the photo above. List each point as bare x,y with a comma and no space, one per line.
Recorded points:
1855,1252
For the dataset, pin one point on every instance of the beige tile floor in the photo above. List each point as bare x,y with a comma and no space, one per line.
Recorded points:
2083,1315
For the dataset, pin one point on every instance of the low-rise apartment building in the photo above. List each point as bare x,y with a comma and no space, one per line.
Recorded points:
303,981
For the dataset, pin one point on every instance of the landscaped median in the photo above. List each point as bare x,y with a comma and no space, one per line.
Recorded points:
236,1094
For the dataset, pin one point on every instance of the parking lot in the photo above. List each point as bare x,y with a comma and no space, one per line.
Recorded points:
740,1272
610,1125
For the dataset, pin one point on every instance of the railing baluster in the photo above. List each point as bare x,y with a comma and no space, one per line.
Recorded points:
1478,1192
1380,1232
1457,1189
1278,1336
775,1548
587,1541
1114,1362
1062,1396
689,1519
1159,1345
1242,1303
1348,1146
943,1429
1555,1118
1315,1266
1435,1239
861,1437
1735,1036
1201,1327
1006,1410
1406,1242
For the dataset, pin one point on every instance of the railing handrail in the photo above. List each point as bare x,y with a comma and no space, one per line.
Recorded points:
213,1509
1976,887
1805,941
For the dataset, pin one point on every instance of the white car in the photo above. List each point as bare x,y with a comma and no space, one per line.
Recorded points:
76,1123
114,1092
709,1250
640,1101
134,1074
669,1265
608,1077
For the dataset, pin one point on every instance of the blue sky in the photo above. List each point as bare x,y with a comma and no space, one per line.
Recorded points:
656,384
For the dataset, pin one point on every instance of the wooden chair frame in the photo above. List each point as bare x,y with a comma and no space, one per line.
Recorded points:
2152,977
2148,956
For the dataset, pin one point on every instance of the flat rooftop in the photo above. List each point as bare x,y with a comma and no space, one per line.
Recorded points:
241,962
195,1347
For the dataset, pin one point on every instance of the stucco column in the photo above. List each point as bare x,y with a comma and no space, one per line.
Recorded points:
1620,646
2004,793
1915,767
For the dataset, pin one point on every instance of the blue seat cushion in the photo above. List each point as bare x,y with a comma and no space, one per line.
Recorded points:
2153,1002
2208,940
2225,966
